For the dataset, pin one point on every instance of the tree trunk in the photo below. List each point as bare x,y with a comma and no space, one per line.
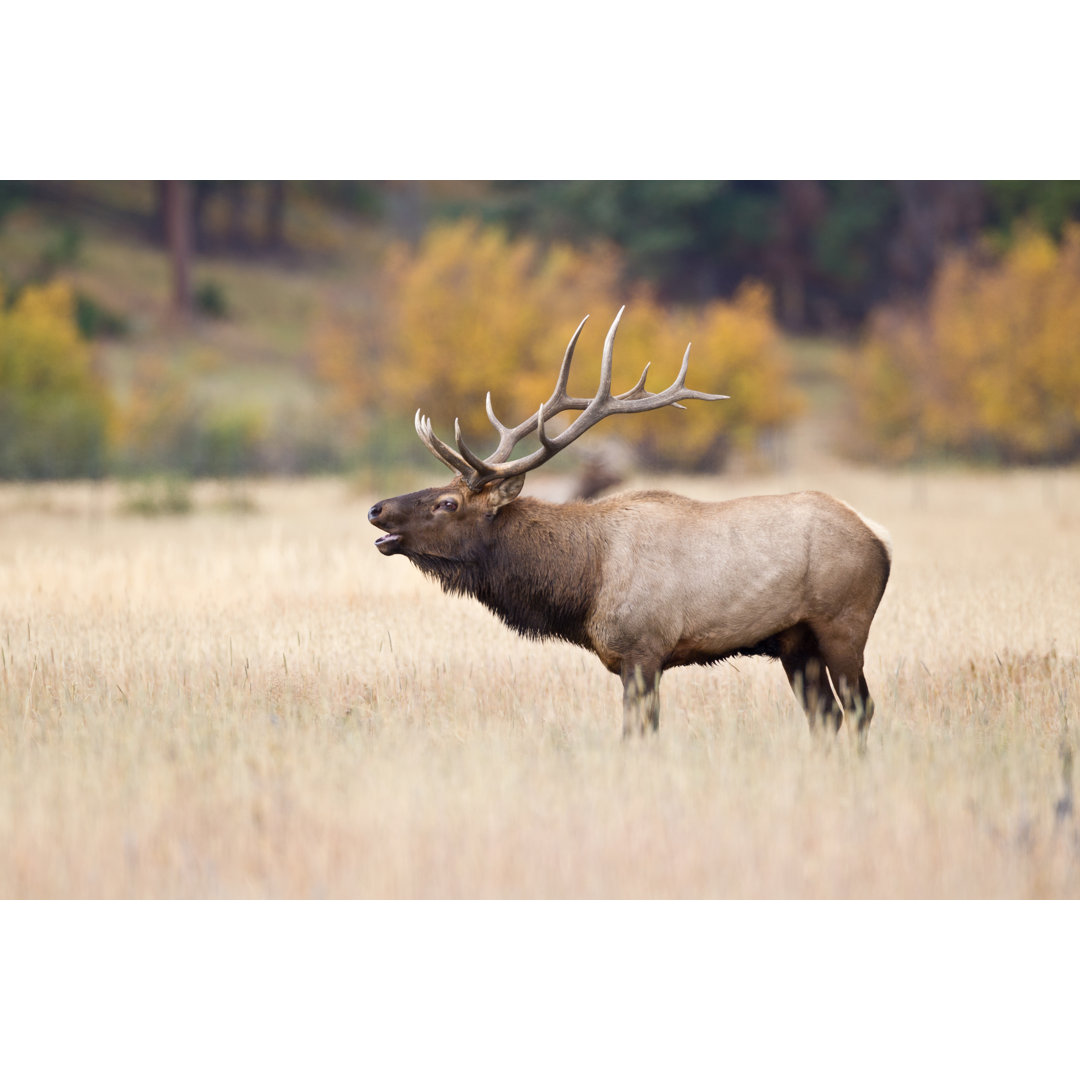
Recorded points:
275,215
178,226
159,229
236,191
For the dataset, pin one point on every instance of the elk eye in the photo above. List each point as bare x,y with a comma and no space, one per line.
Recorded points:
448,504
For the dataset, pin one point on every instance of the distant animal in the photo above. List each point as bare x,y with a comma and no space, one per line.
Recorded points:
650,580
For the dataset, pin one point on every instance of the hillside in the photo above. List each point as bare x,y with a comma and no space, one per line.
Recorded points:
260,349
250,356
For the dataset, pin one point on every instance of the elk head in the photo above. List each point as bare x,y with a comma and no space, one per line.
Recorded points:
444,522
453,522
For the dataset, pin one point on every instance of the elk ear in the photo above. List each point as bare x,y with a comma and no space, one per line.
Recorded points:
502,492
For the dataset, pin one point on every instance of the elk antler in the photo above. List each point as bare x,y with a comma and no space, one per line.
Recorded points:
478,471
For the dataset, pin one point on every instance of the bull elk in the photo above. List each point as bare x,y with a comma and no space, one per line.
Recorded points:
650,580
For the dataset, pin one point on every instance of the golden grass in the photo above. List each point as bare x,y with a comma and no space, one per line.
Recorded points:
262,706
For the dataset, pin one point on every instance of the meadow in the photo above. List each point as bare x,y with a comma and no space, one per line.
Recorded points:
227,704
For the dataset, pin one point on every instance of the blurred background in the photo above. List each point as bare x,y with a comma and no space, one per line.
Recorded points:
239,328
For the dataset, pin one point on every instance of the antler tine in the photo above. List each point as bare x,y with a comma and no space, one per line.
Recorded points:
680,379
558,402
678,391
541,433
443,452
480,466
604,391
496,423
508,437
564,370
638,390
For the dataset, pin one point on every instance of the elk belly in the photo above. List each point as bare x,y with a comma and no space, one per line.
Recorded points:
696,593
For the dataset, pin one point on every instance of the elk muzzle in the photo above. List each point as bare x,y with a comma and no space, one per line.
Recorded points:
381,516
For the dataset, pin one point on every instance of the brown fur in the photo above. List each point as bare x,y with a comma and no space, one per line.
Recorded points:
652,580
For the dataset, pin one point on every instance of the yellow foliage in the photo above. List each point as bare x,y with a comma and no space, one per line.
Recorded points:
41,343
471,310
54,409
158,407
735,349
992,367
344,367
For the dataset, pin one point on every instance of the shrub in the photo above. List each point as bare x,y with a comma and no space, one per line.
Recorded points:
231,442
167,495
54,409
210,300
95,320
990,369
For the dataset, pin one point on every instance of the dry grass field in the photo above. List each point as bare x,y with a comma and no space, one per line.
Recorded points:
260,705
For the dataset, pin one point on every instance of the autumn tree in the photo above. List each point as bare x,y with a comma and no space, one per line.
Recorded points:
990,368
470,310
54,408
736,349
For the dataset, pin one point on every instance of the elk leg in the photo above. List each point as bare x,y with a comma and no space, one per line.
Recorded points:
845,663
641,699
855,695
805,669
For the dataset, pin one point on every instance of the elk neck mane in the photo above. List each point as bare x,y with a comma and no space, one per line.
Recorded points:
537,569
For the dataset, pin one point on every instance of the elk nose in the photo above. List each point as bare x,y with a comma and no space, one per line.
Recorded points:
374,512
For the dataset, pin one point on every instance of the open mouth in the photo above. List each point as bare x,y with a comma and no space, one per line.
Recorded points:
388,544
